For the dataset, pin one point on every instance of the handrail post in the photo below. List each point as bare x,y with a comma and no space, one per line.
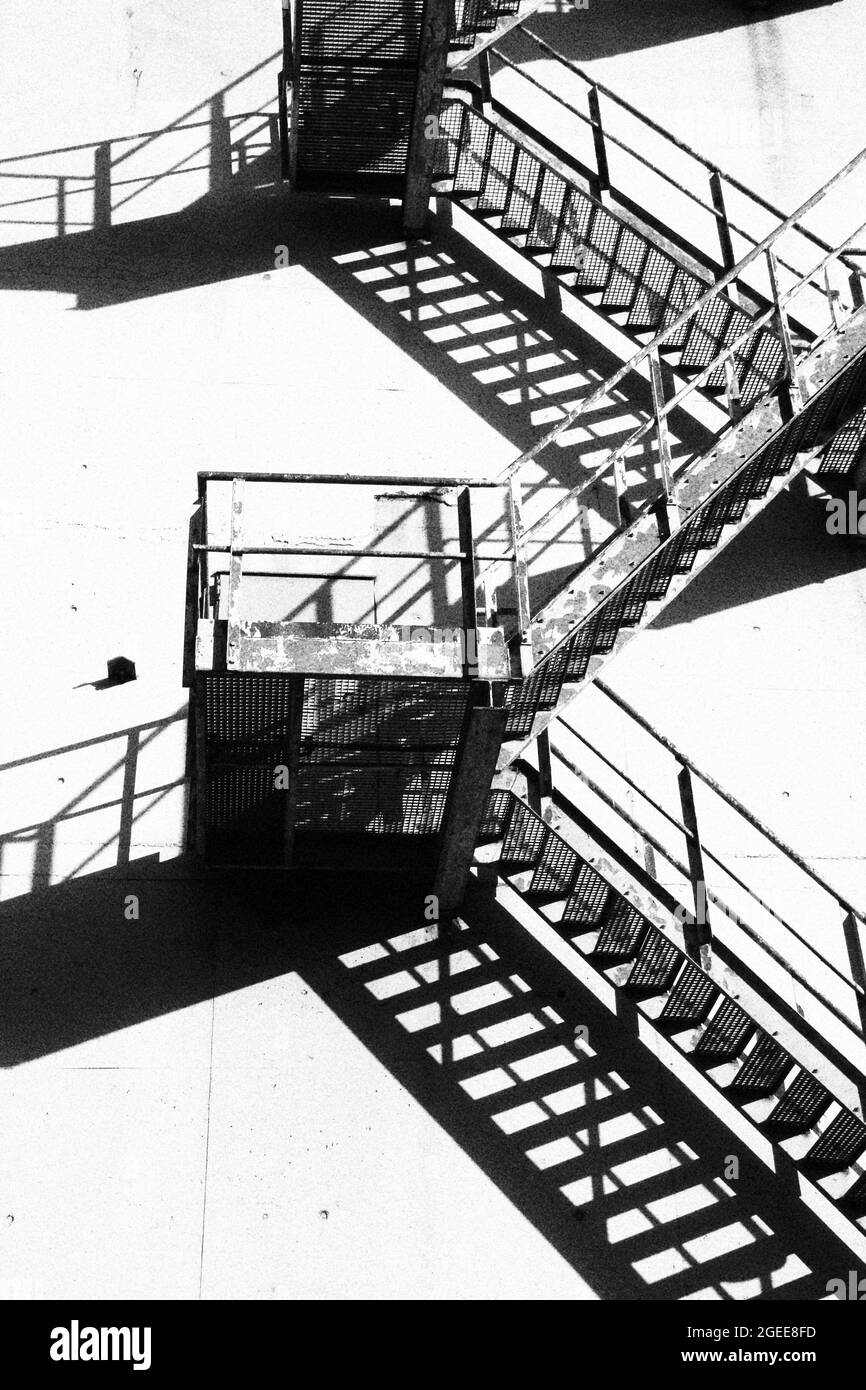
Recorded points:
698,935
858,297
484,77
784,331
832,297
514,501
468,585
723,227
602,178
620,480
667,512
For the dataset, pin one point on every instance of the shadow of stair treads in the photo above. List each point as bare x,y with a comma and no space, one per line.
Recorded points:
841,1144
763,1071
632,253
656,965
724,1035
652,297
802,1104
589,899
493,194
496,816
621,932
524,838
576,217
525,188
855,1198
548,210
477,137
707,334
686,289
555,871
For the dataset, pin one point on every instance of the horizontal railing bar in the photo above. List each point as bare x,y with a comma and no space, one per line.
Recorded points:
690,834
712,897
346,550
674,139
608,135
361,479
728,278
727,352
728,797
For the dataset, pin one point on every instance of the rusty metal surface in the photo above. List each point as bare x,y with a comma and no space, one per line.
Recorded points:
629,548
365,649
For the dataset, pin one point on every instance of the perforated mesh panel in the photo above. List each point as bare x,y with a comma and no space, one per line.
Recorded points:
377,755
356,85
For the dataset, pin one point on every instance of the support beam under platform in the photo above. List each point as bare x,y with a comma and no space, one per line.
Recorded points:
432,66
476,765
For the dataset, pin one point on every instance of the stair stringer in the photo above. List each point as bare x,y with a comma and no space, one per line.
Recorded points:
607,985
836,366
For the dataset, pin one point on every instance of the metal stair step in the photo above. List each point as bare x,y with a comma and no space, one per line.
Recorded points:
656,965
841,1144
621,932
763,1071
802,1104
724,1035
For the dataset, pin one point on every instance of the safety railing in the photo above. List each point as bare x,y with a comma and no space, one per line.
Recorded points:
205,582
636,163
471,138
700,842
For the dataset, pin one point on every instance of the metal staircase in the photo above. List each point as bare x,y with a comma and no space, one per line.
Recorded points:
786,392
752,1074
349,82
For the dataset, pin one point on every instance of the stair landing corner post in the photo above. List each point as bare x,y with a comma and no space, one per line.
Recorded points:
432,65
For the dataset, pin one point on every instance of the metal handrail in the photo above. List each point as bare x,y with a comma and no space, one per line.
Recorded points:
727,797
682,145
716,900
642,159
712,293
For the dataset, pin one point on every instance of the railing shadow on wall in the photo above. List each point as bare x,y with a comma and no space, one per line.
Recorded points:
36,854
206,151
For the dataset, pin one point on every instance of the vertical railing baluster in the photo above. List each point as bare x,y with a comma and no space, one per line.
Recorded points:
484,77
832,297
698,935
601,182
514,504
784,331
468,585
723,226
667,512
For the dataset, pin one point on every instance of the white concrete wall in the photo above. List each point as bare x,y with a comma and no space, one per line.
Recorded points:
106,416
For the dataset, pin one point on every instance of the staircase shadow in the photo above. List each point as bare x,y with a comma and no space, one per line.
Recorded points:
611,1159
610,27
786,548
